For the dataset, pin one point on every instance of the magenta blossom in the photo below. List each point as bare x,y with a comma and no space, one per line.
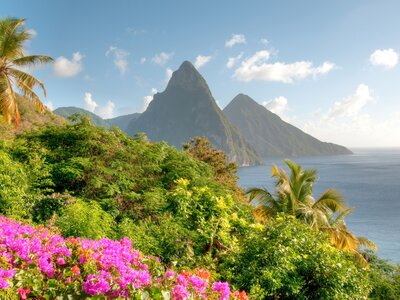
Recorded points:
223,289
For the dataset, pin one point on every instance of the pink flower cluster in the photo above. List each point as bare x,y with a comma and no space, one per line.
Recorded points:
34,255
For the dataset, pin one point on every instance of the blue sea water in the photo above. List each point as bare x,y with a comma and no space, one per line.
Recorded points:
369,180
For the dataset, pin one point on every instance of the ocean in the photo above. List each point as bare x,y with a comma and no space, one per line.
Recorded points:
369,180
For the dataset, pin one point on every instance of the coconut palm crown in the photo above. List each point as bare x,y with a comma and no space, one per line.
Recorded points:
13,78
294,196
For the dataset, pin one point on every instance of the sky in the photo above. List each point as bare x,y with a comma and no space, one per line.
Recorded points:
328,67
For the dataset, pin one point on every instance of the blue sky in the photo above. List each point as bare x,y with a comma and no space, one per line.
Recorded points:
330,68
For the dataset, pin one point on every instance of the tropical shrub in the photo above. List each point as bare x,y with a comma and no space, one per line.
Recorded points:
85,219
13,187
173,205
286,259
195,226
36,263
384,277
50,205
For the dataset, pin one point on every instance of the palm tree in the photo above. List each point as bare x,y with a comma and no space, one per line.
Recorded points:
294,196
13,36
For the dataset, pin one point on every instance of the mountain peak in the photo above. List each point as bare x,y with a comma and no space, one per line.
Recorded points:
243,99
185,109
187,77
187,65
243,102
270,136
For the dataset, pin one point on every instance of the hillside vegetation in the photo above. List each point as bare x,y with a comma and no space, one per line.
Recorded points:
30,119
89,182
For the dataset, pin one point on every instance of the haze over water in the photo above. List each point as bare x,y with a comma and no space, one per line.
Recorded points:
369,180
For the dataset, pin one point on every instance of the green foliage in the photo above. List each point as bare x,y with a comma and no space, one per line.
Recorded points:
165,238
172,205
13,187
225,172
286,259
385,279
85,220
188,225
46,207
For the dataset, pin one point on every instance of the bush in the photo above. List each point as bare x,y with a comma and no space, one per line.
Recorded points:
385,279
50,205
164,238
86,220
38,264
286,259
13,188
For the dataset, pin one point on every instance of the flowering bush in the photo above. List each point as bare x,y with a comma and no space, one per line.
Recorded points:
37,263
286,259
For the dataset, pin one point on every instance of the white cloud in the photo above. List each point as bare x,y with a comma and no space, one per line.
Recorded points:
387,58
256,67
120,58
326,67
148,99
162,58
235,39
106,111
350,106
345,123
232,61
168,74
49,105
64,67
278,105
361,130
90,104
143,60
201,60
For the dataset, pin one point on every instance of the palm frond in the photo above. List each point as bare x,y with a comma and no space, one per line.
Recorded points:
339,219
342,239
261,195
26,83
264,213
330,200
360,260
12,38
366,243
7,100
32,60
295,169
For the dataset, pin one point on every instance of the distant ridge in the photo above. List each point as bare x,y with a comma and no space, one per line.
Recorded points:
270,136
186,109
123,121
68,111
